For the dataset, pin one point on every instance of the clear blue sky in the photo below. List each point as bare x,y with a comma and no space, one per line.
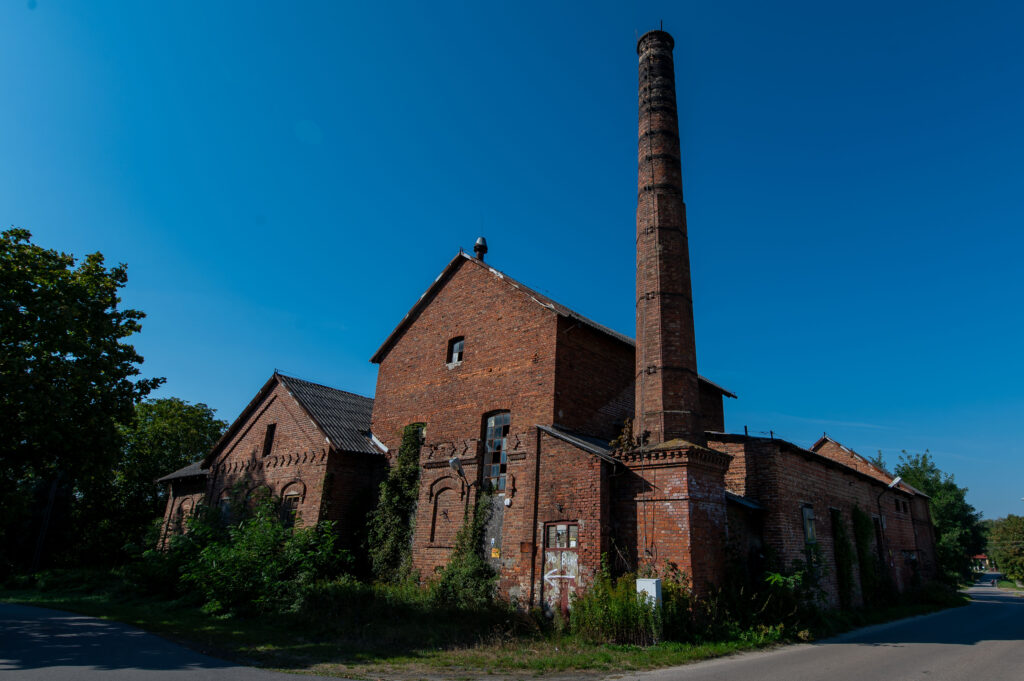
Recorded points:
285,179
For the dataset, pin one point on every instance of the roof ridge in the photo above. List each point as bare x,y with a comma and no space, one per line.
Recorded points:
321,385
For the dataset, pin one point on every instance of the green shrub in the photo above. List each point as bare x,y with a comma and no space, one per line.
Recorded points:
611,611
468,580
262,564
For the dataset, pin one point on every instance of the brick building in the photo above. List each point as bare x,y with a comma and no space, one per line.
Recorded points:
521,395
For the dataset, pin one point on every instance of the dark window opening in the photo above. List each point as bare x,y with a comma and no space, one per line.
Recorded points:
495,450
268,438
897,505
290,507
809,536
456,346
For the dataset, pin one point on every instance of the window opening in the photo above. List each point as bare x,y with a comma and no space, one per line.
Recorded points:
290,506
268,438
495,450
809,535
456,346
563,536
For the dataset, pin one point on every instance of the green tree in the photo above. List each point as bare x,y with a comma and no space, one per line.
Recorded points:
958,527
1006,545
164,435
67,379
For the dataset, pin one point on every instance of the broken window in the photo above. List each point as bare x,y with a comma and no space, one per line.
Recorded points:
495,450
455,349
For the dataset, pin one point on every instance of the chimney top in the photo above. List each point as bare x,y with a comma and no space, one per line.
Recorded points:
661,36
480,248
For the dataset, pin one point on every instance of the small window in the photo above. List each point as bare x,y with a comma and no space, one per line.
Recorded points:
898,506
495,454
563,536
456,346
268,438
809,536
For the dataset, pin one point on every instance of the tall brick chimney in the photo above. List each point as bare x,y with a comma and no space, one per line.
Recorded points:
667,389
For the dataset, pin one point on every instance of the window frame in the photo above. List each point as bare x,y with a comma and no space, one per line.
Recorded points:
269,435
569,525
456,351
495,458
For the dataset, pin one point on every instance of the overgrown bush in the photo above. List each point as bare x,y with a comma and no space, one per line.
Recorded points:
263,564
468,580
611,611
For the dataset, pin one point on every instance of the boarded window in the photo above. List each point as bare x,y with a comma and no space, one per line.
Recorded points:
495,450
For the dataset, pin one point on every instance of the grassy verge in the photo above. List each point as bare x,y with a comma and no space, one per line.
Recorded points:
394,648
1007,584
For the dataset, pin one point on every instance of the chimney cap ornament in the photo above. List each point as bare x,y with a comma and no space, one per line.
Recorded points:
480,248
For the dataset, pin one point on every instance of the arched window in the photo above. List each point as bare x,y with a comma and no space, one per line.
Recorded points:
291,498
495,445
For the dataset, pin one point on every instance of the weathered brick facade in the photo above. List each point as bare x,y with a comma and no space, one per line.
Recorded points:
521,392
277,444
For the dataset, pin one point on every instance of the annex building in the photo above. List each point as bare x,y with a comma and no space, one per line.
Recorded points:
521,395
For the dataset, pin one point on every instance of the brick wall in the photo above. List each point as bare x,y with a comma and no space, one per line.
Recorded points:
593,380
508,364
669,507
297,459
574,490
784,478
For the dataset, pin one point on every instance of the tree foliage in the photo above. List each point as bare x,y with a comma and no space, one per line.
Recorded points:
68,378
66,374
165,434
1006,545
391,522
957,524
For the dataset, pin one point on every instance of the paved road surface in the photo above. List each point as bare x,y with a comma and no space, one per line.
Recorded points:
50,645
983,641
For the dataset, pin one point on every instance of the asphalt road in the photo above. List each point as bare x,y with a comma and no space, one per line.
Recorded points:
50,645
983,641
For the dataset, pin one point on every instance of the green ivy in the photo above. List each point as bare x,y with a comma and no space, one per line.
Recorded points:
391,524
867,559
844,562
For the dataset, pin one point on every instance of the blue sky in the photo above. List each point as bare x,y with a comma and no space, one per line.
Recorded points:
285,179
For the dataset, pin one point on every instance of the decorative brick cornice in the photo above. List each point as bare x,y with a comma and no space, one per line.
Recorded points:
675,453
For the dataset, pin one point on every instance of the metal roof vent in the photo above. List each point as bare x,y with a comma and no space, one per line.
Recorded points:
480,248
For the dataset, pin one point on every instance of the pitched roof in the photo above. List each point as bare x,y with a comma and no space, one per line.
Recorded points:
875,471
536,296
193,470
343,417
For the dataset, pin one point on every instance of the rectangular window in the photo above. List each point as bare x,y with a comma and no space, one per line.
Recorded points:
495,450
268,438
563,536
809,536
897,505
456,346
